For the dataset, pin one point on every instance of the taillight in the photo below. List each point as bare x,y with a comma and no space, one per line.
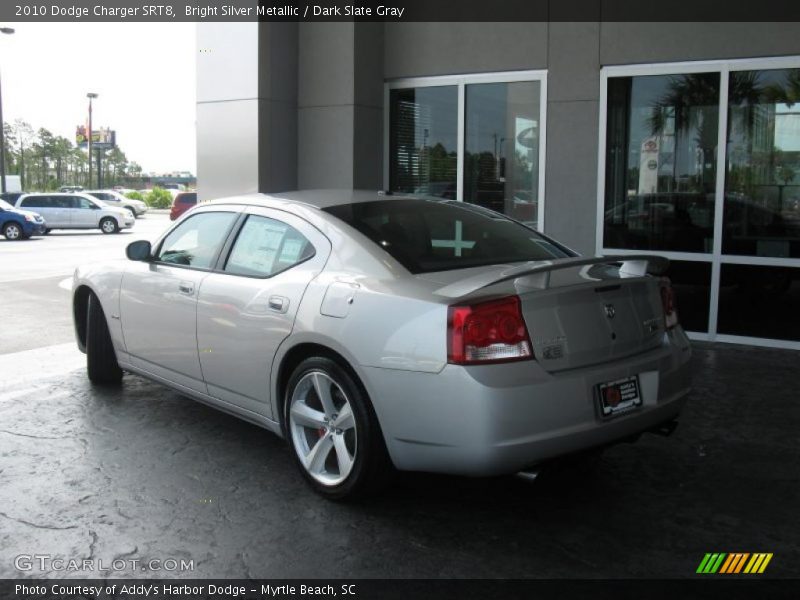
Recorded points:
487,332
668,301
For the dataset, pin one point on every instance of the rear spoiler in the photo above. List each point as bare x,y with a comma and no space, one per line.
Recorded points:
538,274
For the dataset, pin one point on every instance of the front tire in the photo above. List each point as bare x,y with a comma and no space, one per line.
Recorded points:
108,225
13,232
101,360
334,433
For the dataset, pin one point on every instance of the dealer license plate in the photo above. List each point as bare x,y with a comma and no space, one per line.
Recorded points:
619,396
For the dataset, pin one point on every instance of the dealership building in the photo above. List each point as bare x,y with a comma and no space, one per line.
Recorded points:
681,139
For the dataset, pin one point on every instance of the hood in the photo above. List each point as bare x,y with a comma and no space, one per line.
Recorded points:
26,213
117,210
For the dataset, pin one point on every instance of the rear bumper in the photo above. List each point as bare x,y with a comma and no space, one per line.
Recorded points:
499,419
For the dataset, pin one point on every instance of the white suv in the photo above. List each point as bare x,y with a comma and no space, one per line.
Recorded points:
76,211
114,198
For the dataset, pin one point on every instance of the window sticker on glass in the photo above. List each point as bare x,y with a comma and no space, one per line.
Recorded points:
265,247
291,250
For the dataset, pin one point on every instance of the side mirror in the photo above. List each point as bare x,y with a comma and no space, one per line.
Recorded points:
139,250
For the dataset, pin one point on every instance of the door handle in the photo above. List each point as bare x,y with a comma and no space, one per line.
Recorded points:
186,287
278,304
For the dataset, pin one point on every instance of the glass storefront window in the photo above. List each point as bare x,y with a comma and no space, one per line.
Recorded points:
692,284
501,159
423,141
762,185
759,301
661,162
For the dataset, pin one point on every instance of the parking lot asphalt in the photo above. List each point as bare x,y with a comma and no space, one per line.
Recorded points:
139,472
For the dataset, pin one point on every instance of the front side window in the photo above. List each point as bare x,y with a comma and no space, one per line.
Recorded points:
427,236
661,162
82,203
197,240
265,247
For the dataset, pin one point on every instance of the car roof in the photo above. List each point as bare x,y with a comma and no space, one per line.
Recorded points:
314,198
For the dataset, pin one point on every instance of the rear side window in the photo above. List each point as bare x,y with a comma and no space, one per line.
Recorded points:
197,240
36,202
187,199
265,247
427,236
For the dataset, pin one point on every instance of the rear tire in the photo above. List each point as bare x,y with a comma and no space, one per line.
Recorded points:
108,225
13,232
336,441
101,359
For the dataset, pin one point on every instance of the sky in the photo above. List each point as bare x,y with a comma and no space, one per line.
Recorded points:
144,74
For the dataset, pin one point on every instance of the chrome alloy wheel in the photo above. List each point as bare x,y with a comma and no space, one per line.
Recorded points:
12,231
108,226
323,428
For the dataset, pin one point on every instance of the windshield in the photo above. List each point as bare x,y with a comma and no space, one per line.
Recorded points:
5,205
427,236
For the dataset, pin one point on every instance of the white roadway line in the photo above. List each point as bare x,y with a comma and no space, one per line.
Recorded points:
38,365
27,391
50,275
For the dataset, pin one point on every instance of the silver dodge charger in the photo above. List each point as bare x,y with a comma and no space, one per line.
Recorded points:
379,332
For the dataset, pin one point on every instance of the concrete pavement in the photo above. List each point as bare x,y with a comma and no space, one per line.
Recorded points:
141,473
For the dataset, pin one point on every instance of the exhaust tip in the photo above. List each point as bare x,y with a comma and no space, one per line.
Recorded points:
529,474
666,428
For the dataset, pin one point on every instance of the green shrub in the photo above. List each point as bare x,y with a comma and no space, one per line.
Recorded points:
134,195
159,198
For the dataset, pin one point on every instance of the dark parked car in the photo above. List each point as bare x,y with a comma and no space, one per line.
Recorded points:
182,202
11,197
18,224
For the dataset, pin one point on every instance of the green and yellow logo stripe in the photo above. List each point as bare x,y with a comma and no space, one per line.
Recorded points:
734,563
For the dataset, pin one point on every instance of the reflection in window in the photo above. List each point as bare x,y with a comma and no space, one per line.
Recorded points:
762,187
265,247
661,162
501,160
423,141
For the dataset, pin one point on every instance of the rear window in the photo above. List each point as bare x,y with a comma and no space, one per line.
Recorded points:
427,236
187,198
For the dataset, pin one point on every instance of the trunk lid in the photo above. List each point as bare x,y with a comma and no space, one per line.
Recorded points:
577,315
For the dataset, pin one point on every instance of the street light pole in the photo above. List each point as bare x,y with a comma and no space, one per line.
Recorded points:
8,31
91,96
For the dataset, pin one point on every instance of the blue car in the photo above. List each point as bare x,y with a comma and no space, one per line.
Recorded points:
18,224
